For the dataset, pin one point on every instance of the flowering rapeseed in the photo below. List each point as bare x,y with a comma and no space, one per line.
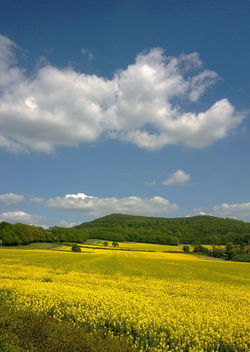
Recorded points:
159,301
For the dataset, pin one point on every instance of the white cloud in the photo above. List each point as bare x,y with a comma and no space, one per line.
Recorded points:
142,104
11,198
96,207
10,73
65,223
21,217
202,213
177,178
234,210
81,196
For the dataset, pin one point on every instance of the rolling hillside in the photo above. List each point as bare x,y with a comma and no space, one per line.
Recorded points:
122,227
203,229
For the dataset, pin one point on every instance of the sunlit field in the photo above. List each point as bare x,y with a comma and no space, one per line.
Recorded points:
148,247
133,246
154,301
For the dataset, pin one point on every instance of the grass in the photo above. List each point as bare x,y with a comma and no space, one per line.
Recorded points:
24,331
37,245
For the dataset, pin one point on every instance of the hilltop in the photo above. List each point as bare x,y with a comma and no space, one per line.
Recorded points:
201,228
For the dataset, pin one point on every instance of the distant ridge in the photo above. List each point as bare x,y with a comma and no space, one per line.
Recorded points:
199,228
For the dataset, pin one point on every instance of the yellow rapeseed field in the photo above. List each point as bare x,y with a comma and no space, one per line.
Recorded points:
159,301
138,246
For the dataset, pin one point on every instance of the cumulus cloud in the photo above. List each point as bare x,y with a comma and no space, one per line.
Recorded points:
234,210
141,104
65,223
11,198
81,196
96,207
202,213
21,217
177,178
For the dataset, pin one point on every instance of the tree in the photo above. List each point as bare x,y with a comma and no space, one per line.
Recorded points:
7,237
217,252
242,248
76,248
115,244
230,250
201,249
186,249
105,243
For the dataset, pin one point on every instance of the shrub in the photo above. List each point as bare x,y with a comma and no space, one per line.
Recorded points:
201,249
186,249
75,248
218,252
242,258
47,279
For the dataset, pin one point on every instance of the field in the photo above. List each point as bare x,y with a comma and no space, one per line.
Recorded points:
148,247
147,301
131,246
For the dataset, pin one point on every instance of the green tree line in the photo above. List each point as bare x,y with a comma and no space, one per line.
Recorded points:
120,227
21,234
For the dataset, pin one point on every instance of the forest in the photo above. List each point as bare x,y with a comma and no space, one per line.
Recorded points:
192,230
122,227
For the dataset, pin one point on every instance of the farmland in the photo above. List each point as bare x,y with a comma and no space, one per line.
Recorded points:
147,301
128,246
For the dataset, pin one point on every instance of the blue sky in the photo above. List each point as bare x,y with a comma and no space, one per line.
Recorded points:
137,107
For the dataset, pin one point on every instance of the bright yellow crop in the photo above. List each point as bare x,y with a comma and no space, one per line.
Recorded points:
135,246
161,301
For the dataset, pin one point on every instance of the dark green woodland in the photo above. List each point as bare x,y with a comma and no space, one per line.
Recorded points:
121,227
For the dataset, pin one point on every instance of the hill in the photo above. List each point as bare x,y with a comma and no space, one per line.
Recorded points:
202,229
123,227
